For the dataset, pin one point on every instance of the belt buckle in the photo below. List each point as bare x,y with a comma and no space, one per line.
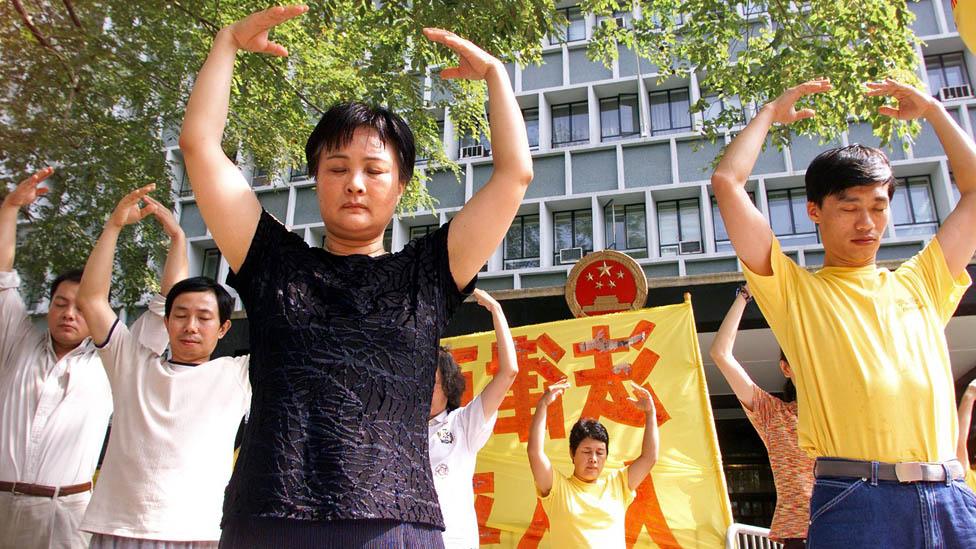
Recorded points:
908,471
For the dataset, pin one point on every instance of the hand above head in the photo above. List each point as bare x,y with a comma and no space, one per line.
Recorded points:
27,190
912,103
165,217
971,388
783,108
251,33
485,300
473,62
128,211
643,400
553,392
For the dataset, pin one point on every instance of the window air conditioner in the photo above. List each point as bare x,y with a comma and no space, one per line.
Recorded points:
570,255
690,247
955,92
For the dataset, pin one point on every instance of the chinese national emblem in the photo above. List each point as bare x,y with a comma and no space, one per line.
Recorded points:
606,282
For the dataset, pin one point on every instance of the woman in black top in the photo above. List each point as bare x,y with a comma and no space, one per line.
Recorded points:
344,338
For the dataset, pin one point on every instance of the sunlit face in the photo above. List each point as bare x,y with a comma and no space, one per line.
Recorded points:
358,188
589,459
64,321
438,403
851,224
194,327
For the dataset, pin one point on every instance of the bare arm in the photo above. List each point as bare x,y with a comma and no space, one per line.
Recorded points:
721,352
641,467
482,223
957,235
96,283
748,230
965,420
24,194
494,393
538,461
176,267
227,203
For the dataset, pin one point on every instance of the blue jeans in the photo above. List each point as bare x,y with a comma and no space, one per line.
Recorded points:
846,512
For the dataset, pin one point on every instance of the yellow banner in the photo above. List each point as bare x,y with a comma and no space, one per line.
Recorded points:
964,12
683,503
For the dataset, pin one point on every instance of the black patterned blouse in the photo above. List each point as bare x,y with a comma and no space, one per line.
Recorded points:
343,357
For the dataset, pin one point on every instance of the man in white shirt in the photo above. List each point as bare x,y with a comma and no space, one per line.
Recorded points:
55,400
170,451
456,433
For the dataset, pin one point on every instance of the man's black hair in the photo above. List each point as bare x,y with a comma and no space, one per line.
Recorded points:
73,275
836,170
452,380
587,428
336,127
225,303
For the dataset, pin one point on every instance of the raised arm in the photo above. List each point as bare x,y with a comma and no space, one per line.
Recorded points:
177,263
748,230
536,448
24,194
494,393
639,469
228,205
482,223
965,420
957,235
721,351
93,292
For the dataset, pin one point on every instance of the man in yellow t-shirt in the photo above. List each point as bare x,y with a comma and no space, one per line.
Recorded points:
867,345
587,509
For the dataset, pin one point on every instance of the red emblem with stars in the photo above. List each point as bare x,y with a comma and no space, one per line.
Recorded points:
606,282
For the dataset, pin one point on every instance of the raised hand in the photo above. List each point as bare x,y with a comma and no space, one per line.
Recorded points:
165,217
128,211
485,300
251,33
784,107
553,392
643,401
473,62
912,103
27,190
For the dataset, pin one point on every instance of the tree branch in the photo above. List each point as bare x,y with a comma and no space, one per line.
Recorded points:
29,23
71,13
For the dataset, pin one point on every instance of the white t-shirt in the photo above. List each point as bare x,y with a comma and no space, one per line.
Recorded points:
454,440
171,448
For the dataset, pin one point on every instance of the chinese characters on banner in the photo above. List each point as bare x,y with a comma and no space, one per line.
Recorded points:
683,503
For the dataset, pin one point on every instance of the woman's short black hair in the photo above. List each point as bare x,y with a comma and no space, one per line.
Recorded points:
789,389
836,170
336,127
67,276
587,428
452,380
225,303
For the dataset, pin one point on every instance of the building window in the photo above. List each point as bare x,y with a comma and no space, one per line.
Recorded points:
299,172
572,229
260,177
531,117
422,230
679,227
619,117
670,112
570,123
715,105
185,189
522,243
388,239
211,263
913,208
788,217
722,242
948,77
574,30
623,18
469,147
626,228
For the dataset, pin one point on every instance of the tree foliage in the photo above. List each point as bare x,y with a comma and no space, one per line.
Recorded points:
94,88
749,52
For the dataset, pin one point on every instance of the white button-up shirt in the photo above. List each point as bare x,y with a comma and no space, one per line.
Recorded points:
454,439
53,413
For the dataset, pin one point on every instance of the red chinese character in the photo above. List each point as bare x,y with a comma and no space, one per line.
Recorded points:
526,390
537,529
608,396
645,512
484,483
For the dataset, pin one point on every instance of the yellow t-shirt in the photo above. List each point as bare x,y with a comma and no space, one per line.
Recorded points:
588,514
868,349
971,479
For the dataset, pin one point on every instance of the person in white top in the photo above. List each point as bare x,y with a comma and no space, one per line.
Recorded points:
455,434
55,401
170,450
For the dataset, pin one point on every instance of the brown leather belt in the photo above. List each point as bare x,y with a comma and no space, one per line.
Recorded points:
910,471
43,491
